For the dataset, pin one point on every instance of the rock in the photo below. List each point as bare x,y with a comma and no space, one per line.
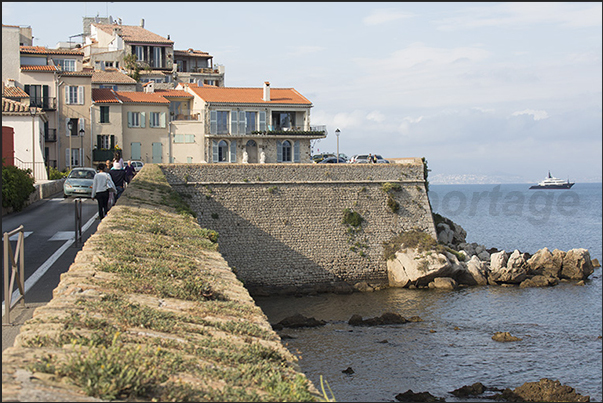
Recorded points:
298,320
348,370
387,318
547,390
415,319
478,271
596,263
577,265
445,234
444,283
410,396
363,286
539,281
515,270
504,337
544,263
476,389
485,256
413,268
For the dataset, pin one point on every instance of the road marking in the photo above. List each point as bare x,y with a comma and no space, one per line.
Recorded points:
63,236
33,279
14,238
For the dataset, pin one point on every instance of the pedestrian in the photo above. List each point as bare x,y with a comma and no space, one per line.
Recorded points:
118,161
118,176
370,158
130,172
101,187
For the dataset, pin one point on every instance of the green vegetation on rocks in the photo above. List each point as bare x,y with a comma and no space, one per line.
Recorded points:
17,185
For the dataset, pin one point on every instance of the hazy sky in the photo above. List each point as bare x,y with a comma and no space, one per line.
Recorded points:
504,90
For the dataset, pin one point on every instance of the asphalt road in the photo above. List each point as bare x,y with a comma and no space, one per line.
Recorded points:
50,248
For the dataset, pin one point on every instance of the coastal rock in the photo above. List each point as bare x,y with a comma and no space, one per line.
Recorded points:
445,234
388,318
547,390
298,320
448,232
577,265
504,337
443,283
476,389
515,270
410,396
539,281
478,270
544,263
411,267
363,286
596,263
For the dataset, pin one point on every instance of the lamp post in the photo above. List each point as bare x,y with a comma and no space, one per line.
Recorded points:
70,127
32,111
337,134
82,132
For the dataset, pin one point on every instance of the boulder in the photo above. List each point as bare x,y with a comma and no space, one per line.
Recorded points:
411,267
577,265
544,263
547,390
388,318
539,281
445,234
478,271
515,270
504,337
596,263
498,260
363,286
298,320
410,396
444,283
476,389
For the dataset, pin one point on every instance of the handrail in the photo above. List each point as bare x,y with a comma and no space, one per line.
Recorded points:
19,275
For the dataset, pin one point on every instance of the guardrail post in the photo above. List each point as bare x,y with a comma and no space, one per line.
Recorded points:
78,221
10,264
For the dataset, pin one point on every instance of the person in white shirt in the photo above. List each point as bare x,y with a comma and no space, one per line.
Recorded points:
118,161
100,189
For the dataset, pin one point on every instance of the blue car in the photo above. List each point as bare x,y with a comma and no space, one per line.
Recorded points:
79,182
333,160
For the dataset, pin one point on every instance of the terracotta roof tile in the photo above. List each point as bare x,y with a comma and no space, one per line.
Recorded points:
141,97
39,68
174,93
104,95
133,33
41,50
249,95
75,73
14,92
17,108
111,76
191,53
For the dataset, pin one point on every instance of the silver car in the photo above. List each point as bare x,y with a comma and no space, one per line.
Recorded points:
79,182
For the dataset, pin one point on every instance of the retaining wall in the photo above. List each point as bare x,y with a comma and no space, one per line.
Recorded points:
281,226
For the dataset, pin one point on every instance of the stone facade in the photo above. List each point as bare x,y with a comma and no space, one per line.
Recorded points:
281,226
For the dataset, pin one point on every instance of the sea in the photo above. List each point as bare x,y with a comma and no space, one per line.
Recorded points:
559,327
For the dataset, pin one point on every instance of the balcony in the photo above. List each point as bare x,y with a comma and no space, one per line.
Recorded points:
50,136
46,103
291,132
102,155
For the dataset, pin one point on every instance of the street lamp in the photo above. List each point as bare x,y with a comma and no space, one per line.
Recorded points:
70,127
82,132
337,134
33,111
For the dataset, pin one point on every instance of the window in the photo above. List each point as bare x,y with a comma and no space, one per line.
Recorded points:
104,114
76,154
154,119
222,151
113,87
250,118
74,95
136,119
139,52
286,149
219,122
157,56
184,138
104,141
66,64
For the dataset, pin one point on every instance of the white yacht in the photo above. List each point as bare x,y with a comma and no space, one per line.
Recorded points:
551,182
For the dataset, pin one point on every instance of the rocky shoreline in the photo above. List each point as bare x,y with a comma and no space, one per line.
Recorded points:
452,263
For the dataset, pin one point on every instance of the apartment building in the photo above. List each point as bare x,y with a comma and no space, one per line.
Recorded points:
195,66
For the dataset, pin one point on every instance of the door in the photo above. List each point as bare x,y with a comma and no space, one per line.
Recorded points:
252,151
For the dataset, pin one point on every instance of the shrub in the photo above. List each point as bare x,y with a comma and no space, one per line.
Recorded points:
17,185
352,218
388,187
393,204
54,174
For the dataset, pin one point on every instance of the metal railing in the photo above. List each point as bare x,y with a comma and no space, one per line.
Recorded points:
10,265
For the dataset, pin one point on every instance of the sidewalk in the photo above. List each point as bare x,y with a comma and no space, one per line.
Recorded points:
19,315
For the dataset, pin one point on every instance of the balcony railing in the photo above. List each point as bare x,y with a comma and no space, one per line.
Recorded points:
46,103
51,136
286,132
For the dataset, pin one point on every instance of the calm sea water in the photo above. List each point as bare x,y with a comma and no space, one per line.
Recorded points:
452,347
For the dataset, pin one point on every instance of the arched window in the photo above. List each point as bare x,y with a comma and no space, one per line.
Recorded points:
286,150
222,151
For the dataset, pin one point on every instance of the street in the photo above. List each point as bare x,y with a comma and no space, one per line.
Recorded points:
50,248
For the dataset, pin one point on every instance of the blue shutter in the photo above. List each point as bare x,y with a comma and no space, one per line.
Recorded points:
213,122
242,122
129,119
234,122
142,119
279,152
214,149
262,121
157,153
296,151
135,150
233,150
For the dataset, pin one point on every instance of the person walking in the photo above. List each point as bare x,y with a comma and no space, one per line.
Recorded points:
119,177
101,186
118,161
130,172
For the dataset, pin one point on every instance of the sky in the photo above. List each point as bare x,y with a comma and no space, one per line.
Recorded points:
486,92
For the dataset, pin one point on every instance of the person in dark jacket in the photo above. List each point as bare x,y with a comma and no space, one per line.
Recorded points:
130,172
119,178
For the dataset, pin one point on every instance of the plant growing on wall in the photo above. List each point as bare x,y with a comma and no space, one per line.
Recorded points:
388,188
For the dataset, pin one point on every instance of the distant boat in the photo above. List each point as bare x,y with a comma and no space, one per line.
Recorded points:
551,182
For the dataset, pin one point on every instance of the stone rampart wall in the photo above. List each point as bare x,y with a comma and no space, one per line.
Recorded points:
281,226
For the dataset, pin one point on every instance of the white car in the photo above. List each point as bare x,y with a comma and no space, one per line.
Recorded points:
137,165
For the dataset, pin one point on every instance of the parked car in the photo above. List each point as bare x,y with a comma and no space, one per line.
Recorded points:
381,160
319,157
364,158
333,160
137,165
79,182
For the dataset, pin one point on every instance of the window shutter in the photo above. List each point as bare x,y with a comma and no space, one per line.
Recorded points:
99,141
135,150
233,150
129,119
143,119
27,89
112,142
80,95
213,123
279,152
296,151
67,95
82,125
214,149
234,122
67,127
45,98
262,121
67,152
178,138
162,119
242,122
189,138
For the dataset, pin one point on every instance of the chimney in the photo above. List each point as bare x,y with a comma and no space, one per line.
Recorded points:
9,83
142,23
266,97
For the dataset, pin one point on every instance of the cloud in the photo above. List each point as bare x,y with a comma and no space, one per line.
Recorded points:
536,115
376,116
512,15
385,15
